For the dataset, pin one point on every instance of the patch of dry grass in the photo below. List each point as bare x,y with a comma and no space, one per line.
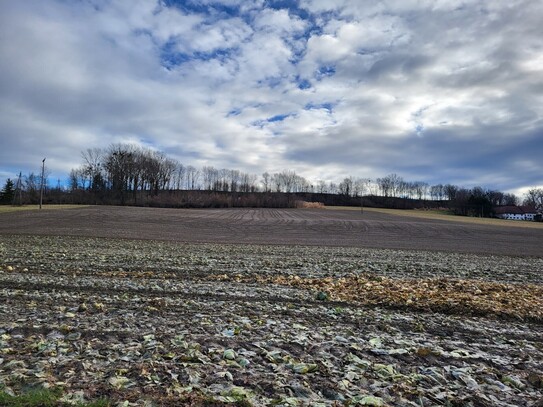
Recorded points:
444,215
454,296
10,208
309,205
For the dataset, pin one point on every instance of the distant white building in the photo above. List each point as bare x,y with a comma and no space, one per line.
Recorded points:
516,212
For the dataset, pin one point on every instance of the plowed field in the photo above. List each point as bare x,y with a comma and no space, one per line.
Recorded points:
279,226
270,307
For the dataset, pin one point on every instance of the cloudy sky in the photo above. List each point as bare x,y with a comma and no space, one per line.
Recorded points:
444,91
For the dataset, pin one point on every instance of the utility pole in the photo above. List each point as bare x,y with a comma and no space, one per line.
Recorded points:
19,189
42,176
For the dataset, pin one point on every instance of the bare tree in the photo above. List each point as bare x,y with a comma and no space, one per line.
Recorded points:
193,175
92,164
385,186
373,187
119,165
266,181
496,198
247,182
234,178
276,181
346,186
534,198
77,178
224,176
360,186
167,171
210,178
450,191
420,189
285,180
179,176
510,199
322,187
436,191
301,184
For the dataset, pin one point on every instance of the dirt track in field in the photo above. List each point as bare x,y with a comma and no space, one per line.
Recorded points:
277,226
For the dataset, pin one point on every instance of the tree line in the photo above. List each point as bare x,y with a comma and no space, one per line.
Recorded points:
128,174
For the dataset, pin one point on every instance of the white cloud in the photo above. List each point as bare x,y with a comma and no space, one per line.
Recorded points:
278,21
445,91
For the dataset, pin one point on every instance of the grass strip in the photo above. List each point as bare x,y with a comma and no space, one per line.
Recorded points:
10,208
41,397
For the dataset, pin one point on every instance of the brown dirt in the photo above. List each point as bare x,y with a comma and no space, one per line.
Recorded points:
160,321
277,226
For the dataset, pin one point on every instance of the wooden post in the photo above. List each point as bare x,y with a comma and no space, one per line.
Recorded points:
42,175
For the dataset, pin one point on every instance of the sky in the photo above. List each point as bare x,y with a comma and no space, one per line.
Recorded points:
440,91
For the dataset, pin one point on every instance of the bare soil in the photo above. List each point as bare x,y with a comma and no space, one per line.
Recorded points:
157,307
278,226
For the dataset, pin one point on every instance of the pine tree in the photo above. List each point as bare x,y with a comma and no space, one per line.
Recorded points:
7,193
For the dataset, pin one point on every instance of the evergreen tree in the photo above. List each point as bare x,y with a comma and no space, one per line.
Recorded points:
8,192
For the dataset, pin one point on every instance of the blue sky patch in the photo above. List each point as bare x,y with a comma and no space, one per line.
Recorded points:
303,83
278,117
171,57
325,106
212,10
324,71
233,112
271,82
